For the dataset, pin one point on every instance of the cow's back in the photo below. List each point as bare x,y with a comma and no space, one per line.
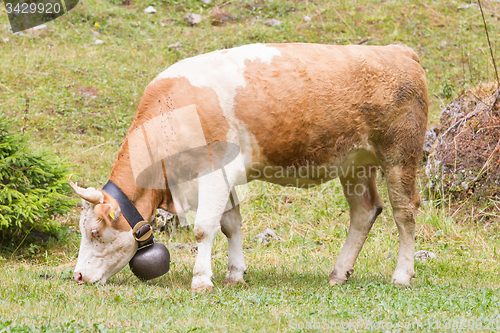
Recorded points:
292,103
317,101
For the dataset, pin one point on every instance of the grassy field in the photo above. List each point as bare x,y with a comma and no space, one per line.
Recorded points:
77,98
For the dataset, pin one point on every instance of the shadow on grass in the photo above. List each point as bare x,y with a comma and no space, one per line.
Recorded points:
257,278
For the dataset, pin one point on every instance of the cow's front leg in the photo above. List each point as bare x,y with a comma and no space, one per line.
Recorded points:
204,234
231,227
213,201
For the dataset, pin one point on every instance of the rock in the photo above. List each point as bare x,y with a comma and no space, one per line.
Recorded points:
273,23
467,6
424,255
150,10
306,18
175,45
19,33
98,41
206,2
266,236
465,185
192,19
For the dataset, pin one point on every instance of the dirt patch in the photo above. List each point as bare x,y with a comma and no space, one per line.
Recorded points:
464,158
87,92
219,16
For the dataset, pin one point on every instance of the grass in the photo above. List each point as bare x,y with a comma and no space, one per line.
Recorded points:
78,99
287,283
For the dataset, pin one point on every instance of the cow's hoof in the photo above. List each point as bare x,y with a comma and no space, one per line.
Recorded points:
234,277
402,278
337,282
201,283
402,283
233,282
202,289
340,279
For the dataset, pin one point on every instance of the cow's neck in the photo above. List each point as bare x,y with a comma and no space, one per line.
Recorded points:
145,200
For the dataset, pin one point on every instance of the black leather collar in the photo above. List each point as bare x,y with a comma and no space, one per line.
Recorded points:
127,208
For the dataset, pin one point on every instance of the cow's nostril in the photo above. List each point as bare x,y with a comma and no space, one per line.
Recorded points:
78,277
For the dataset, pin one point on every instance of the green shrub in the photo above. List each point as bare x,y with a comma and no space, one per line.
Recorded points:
33,188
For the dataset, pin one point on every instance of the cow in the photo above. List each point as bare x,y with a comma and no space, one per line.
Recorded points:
339,110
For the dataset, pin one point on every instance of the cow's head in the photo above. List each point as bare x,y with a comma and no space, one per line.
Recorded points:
107,243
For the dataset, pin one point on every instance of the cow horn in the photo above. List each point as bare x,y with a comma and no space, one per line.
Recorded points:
89,194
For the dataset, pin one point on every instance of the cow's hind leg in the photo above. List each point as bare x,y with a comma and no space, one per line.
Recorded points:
400,152
405,201
364,207
231,227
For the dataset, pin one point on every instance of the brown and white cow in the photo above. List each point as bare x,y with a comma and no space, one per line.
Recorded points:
334,108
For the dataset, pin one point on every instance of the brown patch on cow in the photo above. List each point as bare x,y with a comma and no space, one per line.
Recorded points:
119,223
164,95
199,234
371,200
317,102
366,201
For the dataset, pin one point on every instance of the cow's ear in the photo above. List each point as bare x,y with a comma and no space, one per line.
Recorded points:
107,213
114,214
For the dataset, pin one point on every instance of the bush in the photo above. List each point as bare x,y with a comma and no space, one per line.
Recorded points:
464,160
33,188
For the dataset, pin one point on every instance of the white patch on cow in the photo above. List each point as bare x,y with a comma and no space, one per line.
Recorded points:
222,70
